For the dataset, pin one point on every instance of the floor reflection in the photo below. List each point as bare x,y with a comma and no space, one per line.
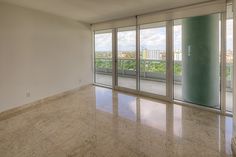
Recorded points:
177,120
104,100
228,127
153,114
177,123
155,87
97,121
127,106
100,122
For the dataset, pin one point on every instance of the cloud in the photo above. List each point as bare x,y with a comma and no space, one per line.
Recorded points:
126,40
152,39
103,42
229,34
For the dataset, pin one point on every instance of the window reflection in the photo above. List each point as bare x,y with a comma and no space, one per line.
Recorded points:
127,106
170,119
178,120
104,100
229,134
153,114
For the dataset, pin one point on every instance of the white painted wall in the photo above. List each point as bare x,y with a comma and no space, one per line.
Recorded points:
40,53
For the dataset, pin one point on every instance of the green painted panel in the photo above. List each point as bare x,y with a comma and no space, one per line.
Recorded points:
200,44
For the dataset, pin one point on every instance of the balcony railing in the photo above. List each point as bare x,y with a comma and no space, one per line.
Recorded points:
149,69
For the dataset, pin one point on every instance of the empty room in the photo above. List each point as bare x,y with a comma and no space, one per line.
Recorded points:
117,78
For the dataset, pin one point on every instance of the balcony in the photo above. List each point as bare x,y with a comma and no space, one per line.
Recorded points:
152,76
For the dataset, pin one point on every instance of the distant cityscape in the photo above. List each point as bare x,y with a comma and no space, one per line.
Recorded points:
153,55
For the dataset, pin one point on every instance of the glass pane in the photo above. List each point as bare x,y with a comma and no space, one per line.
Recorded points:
197,60
177,35
229,59
153,58
103,57
126,64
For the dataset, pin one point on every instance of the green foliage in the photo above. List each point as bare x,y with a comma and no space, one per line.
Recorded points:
229,71
153,66
178,69
129,64
103,63
146,65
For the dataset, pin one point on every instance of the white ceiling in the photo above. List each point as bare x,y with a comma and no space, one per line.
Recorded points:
93,11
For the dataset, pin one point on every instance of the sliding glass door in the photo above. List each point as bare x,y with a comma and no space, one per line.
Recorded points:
178,60
126,57
153,58
103,57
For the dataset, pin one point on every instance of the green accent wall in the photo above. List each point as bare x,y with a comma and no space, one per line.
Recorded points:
201,66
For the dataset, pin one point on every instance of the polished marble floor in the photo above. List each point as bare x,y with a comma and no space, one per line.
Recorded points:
156,87
99,122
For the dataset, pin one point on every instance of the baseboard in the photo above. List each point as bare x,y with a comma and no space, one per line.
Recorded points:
23,108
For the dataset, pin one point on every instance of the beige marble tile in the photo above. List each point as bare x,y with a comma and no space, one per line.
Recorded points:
99,122
28,142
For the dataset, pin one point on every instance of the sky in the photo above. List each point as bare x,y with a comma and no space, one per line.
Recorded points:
229,35
151,39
